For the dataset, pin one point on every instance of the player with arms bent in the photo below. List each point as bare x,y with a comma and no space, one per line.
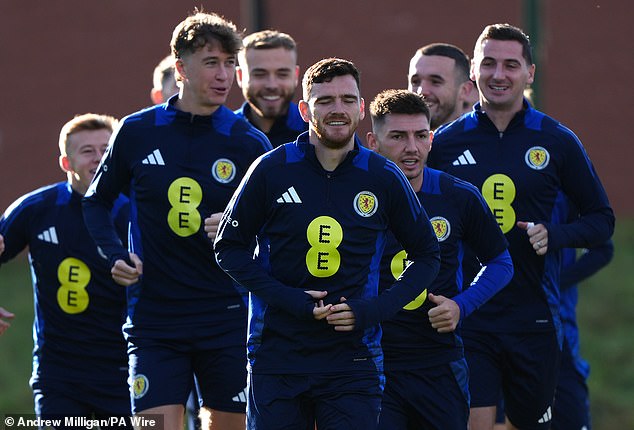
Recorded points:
522,160
314,339
181,161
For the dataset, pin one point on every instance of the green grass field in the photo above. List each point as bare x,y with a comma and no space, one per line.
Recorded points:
605,316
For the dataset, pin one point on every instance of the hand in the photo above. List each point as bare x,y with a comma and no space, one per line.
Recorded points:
4,314
341,316
211,225
320,311
537,236
444,317
124,274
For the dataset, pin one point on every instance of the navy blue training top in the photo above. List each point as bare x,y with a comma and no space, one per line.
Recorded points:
520,173
459,216
326,231
179,168
79,309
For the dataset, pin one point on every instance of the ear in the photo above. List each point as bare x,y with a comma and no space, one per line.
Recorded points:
239,76
472,75
156,96
179,69
362,108
296,75
370,139
304,110
531,74
64,163
431,138
466,89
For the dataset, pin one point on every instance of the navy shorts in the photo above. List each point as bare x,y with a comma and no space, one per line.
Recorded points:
161,374
432,398
298,402
500,416
524,365
572,402
60,399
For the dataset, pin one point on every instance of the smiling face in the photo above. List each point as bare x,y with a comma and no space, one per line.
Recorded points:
207,75
436,78
268,78
83,154
333,110
406,140
502,73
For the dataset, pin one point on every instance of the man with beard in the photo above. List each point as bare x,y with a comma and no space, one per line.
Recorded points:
268,75
319,209
440,73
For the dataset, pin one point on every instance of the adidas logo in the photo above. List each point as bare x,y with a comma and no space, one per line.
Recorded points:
290,196
155,158
49,235
241,397
547,416
465,159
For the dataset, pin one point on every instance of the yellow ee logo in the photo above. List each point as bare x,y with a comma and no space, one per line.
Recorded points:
324,236
499,192
73,276
398,264
185,195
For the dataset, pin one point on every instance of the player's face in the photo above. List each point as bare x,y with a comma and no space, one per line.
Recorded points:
406,140
434,77
502,74
207,77
83,154
334,110
268,79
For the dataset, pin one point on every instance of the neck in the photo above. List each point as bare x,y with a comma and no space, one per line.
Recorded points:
501,116
417,182
261,123
189,105
77,187
330,158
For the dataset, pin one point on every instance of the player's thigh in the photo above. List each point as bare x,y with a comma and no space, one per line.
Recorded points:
221,376
395,405
484,357
83,399
415,395
572,403
348,401
530,377
279,402
160,373
53,401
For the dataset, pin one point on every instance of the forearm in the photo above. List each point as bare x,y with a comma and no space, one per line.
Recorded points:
494,276
418,276
101,227
237,262
587,265
587,231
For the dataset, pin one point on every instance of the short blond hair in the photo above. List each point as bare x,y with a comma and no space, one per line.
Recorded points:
87,121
